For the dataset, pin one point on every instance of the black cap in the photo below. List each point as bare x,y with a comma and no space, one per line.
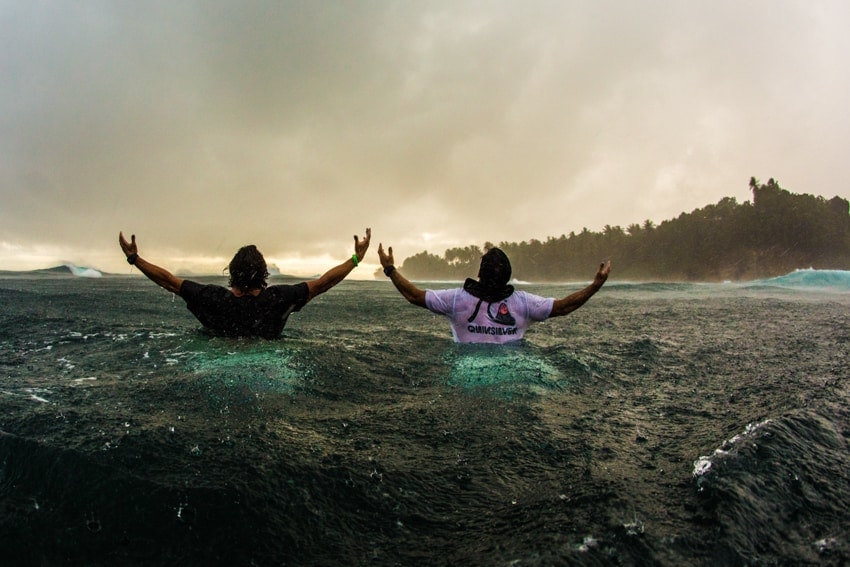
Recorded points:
495,270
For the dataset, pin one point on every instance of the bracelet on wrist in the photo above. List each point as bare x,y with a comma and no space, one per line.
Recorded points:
131,259
355,260
388,270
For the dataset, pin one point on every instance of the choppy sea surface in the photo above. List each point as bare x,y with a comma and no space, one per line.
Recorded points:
661,424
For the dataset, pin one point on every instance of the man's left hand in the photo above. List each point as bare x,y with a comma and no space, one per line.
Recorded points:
360,246
602,273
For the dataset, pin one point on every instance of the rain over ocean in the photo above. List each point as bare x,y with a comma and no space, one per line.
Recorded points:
661,424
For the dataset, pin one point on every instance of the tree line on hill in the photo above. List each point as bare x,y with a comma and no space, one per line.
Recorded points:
775,234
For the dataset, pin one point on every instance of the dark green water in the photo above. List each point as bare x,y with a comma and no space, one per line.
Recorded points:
657,425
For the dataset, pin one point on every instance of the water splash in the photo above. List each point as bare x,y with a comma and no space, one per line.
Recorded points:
703,465
501,368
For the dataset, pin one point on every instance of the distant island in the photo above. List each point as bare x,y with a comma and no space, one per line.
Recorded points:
66,269
775,234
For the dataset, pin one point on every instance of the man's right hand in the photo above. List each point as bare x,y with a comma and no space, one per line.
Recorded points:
129,248
386,258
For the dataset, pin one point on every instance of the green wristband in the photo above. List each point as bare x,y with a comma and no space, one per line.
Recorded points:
354,259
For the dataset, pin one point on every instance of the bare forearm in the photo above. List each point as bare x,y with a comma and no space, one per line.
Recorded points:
575,300
338,273
410,292
330,278
159,276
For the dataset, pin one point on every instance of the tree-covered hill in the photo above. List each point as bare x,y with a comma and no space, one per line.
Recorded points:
775,234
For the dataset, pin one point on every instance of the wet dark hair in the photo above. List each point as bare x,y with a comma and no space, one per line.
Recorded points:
495,270
248,269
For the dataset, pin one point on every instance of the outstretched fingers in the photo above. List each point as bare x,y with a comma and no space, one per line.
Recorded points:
127,247
360,246
366,239
385,257
604,270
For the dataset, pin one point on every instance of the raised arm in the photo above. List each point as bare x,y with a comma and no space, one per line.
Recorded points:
338,273
410,292
575,300
159,276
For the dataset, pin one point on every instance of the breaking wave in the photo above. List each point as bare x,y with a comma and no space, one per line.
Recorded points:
82,272
811,278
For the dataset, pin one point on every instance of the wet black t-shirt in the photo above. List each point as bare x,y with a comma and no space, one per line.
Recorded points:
248,316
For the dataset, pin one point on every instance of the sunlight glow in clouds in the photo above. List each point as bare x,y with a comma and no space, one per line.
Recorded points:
204,126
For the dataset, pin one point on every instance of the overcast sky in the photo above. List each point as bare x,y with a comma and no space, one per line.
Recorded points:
202,126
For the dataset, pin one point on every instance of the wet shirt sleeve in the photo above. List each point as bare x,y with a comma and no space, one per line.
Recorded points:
190,290
441,301
539,308
206,302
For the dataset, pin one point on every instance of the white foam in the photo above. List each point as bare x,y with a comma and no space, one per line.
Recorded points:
36,397
703,464
83,272
588,543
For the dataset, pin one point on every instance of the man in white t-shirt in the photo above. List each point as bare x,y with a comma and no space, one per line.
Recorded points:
489,310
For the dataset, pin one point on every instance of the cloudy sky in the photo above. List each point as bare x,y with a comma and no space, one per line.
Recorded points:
201,126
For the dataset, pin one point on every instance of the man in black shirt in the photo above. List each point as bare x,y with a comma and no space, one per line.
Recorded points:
250,308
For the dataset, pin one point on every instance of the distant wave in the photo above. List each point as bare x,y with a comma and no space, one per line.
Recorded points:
813,278
61,271
82,271
831,279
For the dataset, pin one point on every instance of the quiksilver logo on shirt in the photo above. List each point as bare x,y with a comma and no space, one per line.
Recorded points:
485,330
502,316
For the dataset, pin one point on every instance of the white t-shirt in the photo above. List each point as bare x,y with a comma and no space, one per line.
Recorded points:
498,322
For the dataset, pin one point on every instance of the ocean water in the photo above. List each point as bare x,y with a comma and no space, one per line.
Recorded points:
661,424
